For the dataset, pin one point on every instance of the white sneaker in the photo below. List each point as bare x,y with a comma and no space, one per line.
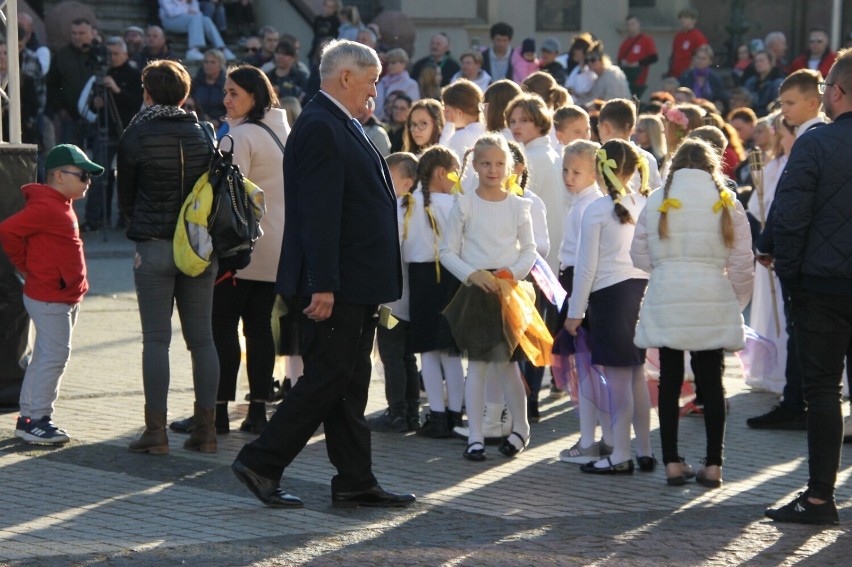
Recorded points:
229,55
194,55
580,455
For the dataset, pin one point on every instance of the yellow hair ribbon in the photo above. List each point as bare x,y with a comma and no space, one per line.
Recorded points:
436,236
409,208
726,199
511,185
669,204
605,167
644,174
454,177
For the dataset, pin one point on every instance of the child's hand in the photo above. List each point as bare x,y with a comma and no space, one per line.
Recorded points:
571,325
484,280
504,274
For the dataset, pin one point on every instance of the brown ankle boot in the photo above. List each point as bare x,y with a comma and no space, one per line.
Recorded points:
154,440
203,437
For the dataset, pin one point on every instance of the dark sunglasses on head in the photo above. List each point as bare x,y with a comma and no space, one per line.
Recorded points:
83,175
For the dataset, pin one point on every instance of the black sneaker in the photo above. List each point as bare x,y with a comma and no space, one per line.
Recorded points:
388,423
780,417
801,511
42,432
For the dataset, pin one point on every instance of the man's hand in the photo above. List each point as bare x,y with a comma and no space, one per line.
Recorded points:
320,307
109,83
571,325
765,260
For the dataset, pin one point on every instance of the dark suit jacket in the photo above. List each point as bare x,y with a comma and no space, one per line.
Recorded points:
340,228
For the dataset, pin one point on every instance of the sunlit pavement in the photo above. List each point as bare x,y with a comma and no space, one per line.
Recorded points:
92,502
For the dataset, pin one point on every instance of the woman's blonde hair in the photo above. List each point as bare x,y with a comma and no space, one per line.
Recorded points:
694,153
653,125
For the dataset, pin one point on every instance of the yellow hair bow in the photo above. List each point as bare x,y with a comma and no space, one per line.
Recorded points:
644,174
409,208
454,177
605,167
726,199
669,204
511,185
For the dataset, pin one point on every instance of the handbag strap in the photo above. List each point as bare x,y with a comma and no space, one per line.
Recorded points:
271,133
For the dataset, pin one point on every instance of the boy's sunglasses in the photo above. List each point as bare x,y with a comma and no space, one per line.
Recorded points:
83,175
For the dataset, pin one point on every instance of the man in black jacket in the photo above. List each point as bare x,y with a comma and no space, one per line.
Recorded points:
497,59
339,262
813,258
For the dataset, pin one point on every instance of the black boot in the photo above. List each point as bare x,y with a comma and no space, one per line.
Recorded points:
435,426
412,415
454,419
256,419
223,424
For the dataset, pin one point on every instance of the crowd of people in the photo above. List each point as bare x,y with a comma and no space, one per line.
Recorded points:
511,175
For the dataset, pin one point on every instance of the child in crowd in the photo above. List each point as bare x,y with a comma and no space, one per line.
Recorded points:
524,60
579,176
462,102
424,219
694,238
607,290
43,243
617,121
401,379
496,98
489,234
572,123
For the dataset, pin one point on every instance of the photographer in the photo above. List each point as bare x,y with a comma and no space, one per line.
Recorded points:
109,100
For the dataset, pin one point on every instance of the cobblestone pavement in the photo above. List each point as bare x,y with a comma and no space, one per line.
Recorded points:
94,503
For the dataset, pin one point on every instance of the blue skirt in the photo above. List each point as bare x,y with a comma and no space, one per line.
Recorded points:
612,315
429,329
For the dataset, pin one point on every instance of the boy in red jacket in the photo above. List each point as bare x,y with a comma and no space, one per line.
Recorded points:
43,243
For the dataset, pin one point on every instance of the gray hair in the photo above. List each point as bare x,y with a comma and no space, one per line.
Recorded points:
342,54
217,53
117,40
771,37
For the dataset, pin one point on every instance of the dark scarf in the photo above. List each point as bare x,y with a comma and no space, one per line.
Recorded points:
156,111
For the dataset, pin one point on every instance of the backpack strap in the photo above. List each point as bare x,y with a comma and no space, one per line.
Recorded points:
271,133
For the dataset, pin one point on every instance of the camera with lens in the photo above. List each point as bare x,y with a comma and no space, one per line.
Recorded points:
100,54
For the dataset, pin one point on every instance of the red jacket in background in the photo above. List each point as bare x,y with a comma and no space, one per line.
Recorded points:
640,49
801,62
43,242
683,47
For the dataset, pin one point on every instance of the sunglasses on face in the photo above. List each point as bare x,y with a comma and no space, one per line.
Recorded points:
83,175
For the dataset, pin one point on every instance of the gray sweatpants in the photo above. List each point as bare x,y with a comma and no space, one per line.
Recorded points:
54,323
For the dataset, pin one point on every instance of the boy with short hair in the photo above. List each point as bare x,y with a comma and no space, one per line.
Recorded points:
801,101
402,388
572,123
616,121
43,243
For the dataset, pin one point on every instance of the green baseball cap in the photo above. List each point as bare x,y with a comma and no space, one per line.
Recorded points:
69,154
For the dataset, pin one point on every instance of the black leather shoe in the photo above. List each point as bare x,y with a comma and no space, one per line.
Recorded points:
620,468
266,490
376,497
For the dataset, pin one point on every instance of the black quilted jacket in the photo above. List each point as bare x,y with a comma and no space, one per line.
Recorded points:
813,211
159,161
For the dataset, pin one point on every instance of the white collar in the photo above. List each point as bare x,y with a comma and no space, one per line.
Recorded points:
337,103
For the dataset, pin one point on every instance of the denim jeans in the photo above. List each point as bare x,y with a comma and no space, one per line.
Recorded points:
159,286
215,12
54,323
196,26
824,338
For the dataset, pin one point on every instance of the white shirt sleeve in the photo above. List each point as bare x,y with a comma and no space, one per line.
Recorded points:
588,254
452,243
526,240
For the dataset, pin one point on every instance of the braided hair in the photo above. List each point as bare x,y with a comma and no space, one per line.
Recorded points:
626,160
433,158
520,159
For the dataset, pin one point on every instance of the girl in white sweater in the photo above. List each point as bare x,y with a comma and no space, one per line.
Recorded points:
694,239
427,208
607,291
489,235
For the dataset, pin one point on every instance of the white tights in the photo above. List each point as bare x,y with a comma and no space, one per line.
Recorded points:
293,368
507,374
632,403
437,366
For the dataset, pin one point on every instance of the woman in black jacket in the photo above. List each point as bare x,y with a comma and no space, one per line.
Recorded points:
162,153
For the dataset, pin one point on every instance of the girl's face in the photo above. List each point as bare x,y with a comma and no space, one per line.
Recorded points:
578,172
421,126
787,139
238,102
490,164
641,137
577,129
470,68
522,126
399,111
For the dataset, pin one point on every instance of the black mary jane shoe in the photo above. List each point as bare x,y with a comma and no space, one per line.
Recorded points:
510,450
646,464
472,454
620,468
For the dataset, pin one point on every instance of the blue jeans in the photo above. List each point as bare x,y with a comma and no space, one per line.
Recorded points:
824,339
196,26
215,12
159,286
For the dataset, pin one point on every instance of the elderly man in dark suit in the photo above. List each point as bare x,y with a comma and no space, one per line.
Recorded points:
340,260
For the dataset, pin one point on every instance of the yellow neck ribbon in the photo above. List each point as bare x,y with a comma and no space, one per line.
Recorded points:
511,185
436,236
409,208
605,167
669,204
457,188
726,199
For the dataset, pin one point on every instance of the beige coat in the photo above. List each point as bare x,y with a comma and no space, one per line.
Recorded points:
262,161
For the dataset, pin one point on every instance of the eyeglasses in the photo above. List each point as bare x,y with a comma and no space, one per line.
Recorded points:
824,85
420,125
83,175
